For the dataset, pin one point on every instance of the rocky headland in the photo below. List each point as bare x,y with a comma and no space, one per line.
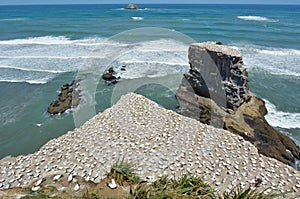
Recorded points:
158,142
162,142
215,91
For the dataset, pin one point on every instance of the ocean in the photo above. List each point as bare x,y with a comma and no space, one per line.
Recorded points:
43,47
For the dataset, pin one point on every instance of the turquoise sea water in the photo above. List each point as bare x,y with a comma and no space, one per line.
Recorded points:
43,47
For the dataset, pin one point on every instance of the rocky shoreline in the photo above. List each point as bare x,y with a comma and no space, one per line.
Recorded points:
159,142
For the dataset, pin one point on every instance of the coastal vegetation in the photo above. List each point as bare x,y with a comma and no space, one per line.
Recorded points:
165,187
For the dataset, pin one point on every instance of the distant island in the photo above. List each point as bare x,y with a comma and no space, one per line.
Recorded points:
132,7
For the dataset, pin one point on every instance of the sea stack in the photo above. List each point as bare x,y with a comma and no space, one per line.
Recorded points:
215,91
131,7
69,97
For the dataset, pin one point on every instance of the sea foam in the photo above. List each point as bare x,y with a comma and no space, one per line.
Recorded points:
53,40
281,119
44,58
30,69
137,18
14,19
271,60
256,18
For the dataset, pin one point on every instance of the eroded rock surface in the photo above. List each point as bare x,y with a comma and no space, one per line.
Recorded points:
215,91
69,97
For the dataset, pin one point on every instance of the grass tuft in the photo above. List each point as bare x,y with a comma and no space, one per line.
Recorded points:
122,172
250,193
185,187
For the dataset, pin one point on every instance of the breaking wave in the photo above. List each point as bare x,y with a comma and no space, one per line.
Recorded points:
31,69
37,81
281,119
137,18
271,60
51,40
43,58
256,18
14,19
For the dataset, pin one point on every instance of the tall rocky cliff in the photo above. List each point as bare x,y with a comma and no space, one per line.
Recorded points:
215,91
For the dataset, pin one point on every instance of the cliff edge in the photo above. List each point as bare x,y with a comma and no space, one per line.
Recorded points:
158,142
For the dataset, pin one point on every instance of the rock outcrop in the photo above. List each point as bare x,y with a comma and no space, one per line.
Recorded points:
218,72
132,7
69,97
215,91
109,76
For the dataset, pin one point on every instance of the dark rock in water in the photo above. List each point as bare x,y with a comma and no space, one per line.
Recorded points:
111,70
219,43
109,76
123,68
242,113
132,7
69,97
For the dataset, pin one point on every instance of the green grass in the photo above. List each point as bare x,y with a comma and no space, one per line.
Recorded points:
247,84
248,194
122,172
186,187
40,196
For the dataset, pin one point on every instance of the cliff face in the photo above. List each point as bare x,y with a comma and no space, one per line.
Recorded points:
218,70
215,91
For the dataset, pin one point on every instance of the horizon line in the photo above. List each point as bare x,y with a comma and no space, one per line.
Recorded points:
33,4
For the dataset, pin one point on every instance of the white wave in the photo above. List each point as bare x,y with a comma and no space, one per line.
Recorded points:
14,19
38,124
91,41
47,57
151,70
154,58
281,119
118,9
41,61
151,64
279,51
39,40
52,40
267,50
41,81
165,45
156,62
126,9
137,18
31,69
271,60
256,18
